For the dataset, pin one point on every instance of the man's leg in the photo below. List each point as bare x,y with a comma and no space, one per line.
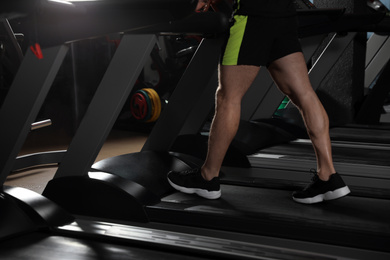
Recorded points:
234,82
291,76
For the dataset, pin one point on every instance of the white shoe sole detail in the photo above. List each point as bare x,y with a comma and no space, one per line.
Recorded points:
330,195
211,195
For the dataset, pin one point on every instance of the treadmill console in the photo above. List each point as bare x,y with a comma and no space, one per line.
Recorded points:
303,4
377,6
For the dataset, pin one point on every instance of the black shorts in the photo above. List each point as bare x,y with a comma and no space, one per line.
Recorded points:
258,40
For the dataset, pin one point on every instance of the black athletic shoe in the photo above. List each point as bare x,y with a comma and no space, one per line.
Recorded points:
318,190
191,181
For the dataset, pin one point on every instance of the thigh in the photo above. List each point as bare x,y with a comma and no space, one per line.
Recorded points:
291,76
236,80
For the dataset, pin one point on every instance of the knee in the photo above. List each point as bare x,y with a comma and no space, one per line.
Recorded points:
220,97
305,100
224,98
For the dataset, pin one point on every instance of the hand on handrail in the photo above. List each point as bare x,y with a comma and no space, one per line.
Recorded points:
204,5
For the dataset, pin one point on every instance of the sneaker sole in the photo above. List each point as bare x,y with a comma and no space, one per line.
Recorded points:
211,195
330,195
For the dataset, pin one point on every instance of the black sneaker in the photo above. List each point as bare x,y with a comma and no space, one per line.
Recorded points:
318,190
191,181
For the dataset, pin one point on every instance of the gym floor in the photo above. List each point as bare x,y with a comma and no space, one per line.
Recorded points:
43,140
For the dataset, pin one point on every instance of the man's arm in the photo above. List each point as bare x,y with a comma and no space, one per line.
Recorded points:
204,5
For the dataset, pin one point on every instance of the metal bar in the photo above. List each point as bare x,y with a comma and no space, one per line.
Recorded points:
40,124
200,112
38,159
374,43
378,61
186,95
23,102
112,93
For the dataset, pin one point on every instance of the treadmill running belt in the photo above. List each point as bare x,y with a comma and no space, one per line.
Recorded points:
340,154
372,134
351,221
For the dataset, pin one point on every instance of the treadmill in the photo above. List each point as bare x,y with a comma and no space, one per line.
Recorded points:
361,150
32,226
273,140
126,200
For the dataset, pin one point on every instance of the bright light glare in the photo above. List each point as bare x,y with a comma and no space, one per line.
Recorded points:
69,2
61,2
83,0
